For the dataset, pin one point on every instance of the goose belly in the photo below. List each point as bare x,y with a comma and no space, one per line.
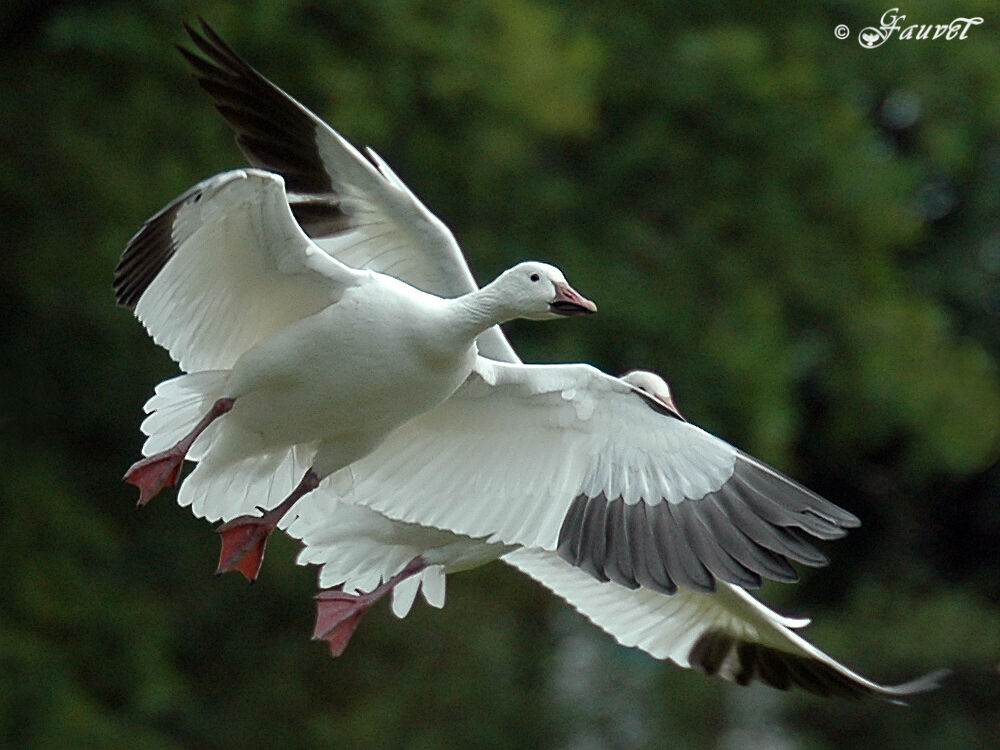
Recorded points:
322,377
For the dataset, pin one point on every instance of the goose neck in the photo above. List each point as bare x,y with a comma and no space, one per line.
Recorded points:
473,313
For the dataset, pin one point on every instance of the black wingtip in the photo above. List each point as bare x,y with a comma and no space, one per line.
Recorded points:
149,249
749,661
273,130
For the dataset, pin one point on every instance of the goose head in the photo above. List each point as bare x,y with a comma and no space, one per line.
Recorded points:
538,291
653,385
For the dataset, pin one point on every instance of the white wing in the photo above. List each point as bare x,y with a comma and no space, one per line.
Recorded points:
356,209
223,266
728,633
566,458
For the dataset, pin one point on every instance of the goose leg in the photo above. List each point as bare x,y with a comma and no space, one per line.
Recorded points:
245,537
338,613
153,473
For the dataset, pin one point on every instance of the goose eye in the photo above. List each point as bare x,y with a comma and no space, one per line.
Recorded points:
534,277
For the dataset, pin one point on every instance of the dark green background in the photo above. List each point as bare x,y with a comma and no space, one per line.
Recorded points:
802,235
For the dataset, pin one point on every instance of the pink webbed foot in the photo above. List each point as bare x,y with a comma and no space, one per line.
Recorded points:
162,469
244,538
337,617
154,473
338,613
243,542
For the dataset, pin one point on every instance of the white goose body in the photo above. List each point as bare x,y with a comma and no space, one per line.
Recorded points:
384,353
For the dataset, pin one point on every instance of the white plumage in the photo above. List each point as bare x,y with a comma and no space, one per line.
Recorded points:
569,475
293,355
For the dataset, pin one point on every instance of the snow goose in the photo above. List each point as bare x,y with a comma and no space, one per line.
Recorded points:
312,363
608,474
364,555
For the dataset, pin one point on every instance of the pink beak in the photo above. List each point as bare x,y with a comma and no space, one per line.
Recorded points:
568,301
668,402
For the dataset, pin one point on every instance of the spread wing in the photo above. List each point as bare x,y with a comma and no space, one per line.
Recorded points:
728,633
223,266
355,208
568,459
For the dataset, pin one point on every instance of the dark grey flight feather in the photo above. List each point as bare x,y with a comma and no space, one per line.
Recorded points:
718,652
750,555
592,536
618,549
650,572
148,251
320,218
572,537
272,129
677,554
747,530
707,545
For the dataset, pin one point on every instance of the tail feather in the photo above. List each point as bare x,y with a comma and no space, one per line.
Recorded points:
221,489
177,405
234,476
359,549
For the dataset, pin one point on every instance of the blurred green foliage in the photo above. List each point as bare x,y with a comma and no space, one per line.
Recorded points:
801,234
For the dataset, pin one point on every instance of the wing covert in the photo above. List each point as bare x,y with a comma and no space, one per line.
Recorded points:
223,266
